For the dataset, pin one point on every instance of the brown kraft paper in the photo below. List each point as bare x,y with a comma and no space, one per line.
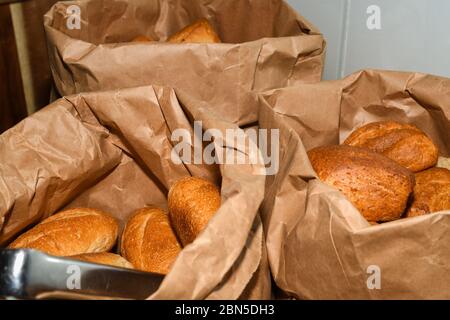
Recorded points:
111,151
266,45
319,245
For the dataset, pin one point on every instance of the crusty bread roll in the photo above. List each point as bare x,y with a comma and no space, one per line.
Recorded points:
377,186
403,143
200,31
149,242
192,202
107,258
431,193
71,232
142,39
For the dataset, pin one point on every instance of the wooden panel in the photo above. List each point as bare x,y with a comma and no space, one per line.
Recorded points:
12,101
41,79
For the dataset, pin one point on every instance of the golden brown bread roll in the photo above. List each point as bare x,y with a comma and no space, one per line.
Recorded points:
107,258
192,202
149,242
403,143
200,31
71,232
377,186
431,193
142,39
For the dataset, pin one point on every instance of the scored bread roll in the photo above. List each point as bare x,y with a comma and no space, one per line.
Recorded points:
192,202
431,193
106,258
142,38
377,186
404,143
71,232
200,31
149,242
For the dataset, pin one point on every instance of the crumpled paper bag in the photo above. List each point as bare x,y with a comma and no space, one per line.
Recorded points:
266,45
112,151
319,245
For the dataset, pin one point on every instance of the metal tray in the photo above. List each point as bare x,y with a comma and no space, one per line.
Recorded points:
30,274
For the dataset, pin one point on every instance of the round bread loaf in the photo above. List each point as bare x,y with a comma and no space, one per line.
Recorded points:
71,232
149,242
377,186
192,202
200,31
403,143
431,193
106,258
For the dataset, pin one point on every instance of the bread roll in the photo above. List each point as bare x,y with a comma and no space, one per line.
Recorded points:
142,39
377,186
403,143
107,258
149,242
431,193
192,202
200,31
71,232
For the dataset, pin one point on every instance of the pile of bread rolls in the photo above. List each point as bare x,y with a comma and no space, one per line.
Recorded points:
387,170
200,31
151,239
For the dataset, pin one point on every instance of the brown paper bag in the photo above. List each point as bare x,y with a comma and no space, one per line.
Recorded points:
319,245
266,45
112,151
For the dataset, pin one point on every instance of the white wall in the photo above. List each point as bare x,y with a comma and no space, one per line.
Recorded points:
414,34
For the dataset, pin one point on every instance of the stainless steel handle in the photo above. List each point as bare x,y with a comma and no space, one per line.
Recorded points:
28,273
